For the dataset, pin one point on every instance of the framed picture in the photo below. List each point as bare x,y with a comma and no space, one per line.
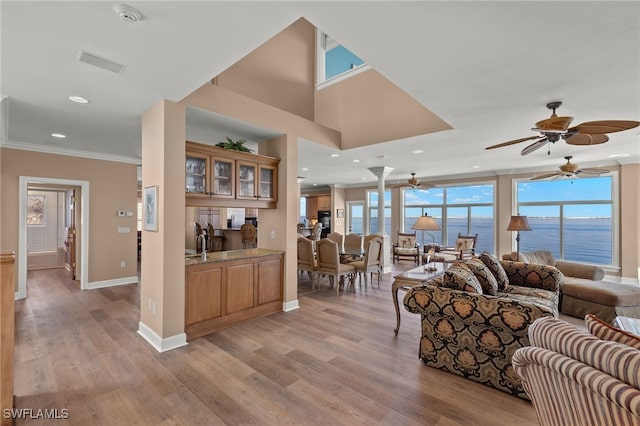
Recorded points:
340,213
151,208
35,210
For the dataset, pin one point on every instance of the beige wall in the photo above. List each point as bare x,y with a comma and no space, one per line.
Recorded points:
112,187
280,72
630,220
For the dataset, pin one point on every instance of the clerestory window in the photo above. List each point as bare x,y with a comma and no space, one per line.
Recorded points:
335,62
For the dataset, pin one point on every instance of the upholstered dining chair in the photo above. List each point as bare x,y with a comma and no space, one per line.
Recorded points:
306,258
300,228
249,234
406,247
316,232
371,263
352,247
338,238
329,264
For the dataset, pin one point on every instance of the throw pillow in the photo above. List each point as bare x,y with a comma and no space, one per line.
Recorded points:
496,269
605,331
459,277
487,281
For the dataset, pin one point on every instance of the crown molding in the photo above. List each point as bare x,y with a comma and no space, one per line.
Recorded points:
24,146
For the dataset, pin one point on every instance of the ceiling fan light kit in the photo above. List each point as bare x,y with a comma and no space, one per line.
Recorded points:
571,170
555,128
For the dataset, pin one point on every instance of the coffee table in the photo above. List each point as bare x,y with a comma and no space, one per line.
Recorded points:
412,278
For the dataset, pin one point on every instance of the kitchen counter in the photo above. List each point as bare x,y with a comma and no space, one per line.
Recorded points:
224,256
230,287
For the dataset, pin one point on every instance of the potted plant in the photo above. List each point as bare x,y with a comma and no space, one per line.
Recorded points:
232,145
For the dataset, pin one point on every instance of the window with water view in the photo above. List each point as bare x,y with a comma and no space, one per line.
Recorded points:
572,218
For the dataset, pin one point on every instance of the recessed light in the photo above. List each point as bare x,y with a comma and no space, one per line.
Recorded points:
355,161
58,135
315,184
364,178
417,151
78,99
475,167
304,169
334,155
618,155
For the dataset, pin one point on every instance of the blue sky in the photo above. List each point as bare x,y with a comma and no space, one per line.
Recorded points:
339,60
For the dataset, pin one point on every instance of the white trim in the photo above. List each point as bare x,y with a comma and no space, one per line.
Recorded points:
344,76
621,280
160,344
290,306
59,150
23,183
113,283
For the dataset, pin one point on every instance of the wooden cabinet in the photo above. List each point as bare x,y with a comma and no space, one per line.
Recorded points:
223,178
312,207
324,202
222,293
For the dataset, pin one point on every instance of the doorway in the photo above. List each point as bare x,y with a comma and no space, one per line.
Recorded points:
355,217
28,212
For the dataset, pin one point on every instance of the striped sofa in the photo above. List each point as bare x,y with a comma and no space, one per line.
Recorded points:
579,378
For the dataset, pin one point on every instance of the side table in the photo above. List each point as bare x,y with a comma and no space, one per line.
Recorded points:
628,324
408,279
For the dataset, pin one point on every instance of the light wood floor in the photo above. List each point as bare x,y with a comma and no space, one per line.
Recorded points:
333,361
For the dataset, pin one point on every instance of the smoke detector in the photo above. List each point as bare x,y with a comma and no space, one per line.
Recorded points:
127,13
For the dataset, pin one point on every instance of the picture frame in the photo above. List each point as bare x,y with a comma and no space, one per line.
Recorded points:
150,198
36,210
340,213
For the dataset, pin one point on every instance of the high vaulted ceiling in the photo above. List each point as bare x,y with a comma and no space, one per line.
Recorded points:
486,68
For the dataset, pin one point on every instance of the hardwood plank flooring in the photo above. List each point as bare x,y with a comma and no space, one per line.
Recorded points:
334,361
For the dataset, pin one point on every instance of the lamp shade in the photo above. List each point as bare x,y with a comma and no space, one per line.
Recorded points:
518,223
426,223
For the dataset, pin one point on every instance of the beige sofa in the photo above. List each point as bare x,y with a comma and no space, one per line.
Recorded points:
583,290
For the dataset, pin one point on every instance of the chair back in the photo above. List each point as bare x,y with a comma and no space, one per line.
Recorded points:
373,256
306,258
406,240
466,243
352,243
367,238
249,233
300,228
338,238
328,256
316,232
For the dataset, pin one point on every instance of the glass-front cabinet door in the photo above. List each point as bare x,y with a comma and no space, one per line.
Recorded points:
246,187
197,171
267,184
222,170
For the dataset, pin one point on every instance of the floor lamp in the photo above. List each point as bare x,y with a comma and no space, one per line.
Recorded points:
427,223
518,223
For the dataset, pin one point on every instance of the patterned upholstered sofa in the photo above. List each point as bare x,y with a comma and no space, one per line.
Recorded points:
474,333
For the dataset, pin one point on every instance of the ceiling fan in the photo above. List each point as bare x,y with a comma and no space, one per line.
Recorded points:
555,128
571,170
413,183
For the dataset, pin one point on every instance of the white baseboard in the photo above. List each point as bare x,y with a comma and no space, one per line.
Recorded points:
112,283
160,344
290,306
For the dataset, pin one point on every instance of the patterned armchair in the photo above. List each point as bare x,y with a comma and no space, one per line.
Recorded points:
473,331
406,246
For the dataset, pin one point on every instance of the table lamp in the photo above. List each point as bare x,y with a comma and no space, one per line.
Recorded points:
518,223
427,223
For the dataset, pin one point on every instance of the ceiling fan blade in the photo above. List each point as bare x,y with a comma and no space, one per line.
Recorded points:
536,145
586,139
546,176
554,124
513,142
592,171
605,126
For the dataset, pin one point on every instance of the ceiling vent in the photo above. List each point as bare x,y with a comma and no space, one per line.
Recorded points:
97,61
127,13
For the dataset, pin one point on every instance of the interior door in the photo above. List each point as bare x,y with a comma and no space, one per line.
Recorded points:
70,242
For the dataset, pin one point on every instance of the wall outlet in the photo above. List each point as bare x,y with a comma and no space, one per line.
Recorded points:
273,235
121,213
123,264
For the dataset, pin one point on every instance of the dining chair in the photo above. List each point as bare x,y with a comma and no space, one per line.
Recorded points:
329,264
249,234
371,262
306,258
338,238
316,232
300,228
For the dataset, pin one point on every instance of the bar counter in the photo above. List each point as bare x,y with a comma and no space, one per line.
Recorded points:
224,256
